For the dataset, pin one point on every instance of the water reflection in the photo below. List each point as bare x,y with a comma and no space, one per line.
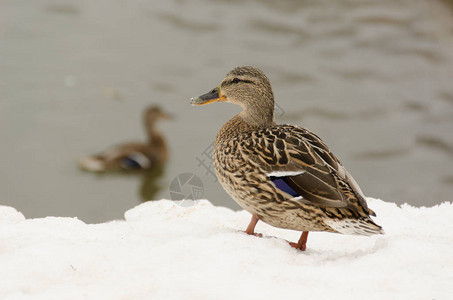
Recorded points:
150,185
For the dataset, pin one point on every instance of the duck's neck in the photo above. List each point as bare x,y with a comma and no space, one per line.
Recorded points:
241,123
157,143
154,136
258,117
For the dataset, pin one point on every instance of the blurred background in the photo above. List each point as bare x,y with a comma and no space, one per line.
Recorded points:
373,78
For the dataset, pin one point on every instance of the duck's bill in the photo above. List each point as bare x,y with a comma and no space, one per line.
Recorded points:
167,116
212,96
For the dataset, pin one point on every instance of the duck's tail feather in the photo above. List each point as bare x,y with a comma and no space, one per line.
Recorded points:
364,226
92,163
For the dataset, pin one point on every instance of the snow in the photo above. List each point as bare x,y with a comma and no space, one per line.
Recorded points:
166,251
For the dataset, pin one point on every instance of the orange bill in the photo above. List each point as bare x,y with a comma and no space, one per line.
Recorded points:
212,96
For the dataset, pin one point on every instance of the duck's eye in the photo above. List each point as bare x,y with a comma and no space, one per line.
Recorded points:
235,80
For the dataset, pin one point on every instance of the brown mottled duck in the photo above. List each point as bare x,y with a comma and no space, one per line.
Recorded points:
283,175
133,156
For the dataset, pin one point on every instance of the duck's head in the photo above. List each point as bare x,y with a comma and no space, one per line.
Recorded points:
151,116
247,87
156,113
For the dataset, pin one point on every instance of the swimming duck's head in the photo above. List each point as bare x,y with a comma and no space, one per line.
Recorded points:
156,113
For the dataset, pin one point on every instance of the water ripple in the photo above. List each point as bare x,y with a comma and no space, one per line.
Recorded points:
381,154
278,28
182,23
447,97
322,113
64,9
435,143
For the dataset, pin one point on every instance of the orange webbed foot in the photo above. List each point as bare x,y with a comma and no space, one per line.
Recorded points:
302,243
260,235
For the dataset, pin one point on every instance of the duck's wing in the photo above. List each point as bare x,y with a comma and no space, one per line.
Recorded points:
299,163
130,156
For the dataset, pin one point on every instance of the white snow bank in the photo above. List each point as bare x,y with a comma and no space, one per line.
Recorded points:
165,251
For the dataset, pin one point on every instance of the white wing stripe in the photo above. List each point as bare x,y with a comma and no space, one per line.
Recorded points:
284,173
141,159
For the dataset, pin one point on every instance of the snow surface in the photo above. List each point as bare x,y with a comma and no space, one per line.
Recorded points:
166,251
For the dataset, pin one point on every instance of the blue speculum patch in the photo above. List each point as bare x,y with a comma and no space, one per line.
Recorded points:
281,184
130,163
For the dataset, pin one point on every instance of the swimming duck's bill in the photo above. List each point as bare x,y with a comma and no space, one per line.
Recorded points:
167,116
210,97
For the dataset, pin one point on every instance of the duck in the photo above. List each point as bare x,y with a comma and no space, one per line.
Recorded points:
283,175
133,156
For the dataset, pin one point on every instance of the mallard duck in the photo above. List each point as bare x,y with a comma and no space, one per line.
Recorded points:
132,156
283,175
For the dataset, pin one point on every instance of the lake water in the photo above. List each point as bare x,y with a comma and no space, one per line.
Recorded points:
373,78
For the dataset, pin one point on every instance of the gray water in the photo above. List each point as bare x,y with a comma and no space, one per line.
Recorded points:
372,78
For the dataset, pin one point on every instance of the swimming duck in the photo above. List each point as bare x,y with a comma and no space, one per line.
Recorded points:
132,156
284,175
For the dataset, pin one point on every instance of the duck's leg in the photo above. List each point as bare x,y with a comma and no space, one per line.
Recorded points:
251,228
302,243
